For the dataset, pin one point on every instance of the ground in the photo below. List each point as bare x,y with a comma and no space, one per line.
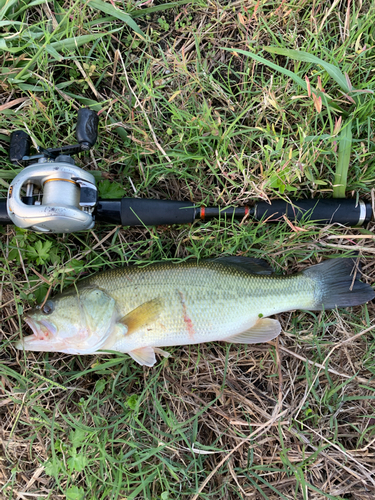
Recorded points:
184,118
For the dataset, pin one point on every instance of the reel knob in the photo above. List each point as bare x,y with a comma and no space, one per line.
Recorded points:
19,146
87,128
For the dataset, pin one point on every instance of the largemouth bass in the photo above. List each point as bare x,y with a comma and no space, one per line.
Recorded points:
137,310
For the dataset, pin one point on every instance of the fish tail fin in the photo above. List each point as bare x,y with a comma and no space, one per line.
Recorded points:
338,284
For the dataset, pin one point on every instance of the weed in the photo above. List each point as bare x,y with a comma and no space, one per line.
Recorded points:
291,420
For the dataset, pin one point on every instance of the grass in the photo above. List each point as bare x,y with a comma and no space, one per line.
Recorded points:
293,419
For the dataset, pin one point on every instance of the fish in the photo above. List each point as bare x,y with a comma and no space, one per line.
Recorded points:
139,310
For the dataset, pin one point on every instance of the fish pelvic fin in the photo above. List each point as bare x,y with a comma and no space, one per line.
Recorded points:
338,285
165,354
264,330
143,315
145,356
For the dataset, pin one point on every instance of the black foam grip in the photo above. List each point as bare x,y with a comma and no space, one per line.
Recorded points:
108,211
87,127
19,145
4,217
144,212
336,210
138,212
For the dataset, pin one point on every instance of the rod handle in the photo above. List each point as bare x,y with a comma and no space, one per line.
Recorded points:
145,212
344,211
4,217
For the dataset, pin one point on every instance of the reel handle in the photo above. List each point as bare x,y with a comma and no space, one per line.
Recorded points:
86,133
4,217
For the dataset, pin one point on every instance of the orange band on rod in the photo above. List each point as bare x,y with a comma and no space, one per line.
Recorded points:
247,210
64,180
203,212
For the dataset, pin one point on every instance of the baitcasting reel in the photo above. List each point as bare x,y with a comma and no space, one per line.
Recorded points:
54,195
59,197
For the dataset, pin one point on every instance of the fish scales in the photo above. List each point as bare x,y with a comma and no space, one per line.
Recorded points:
209,300
137,310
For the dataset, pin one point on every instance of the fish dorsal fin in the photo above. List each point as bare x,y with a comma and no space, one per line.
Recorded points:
143,315
264,330
248,264
145,356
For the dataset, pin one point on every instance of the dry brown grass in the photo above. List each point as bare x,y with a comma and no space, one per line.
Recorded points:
293,419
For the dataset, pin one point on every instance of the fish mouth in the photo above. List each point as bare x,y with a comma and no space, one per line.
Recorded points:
43,335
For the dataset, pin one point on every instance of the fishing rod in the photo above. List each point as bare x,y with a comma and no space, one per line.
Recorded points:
53,195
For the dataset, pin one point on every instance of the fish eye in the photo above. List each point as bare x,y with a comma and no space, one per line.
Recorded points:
48,307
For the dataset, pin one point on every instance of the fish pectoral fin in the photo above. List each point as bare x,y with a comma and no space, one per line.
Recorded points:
264,330
145,356
119,331
143,315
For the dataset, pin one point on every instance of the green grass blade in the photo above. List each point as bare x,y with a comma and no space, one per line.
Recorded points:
107,8
299,55
4,47
272,65
35,2
326,100
54,49
237,128
53,52
5,7
11,23
158,8
74,42
345,147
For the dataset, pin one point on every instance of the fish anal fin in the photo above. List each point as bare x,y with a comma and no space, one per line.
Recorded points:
145,356
143,315
248,264
264,330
